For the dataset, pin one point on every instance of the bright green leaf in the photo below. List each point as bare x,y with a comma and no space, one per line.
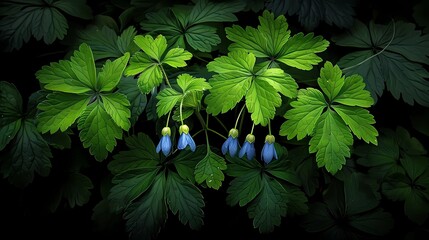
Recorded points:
60,111
98,131
189,83
186,199
154,48
83,66
111,73
331,80
304,115
331,142
116,105
280,81
238,62
261,101
176,57
168,98
209,170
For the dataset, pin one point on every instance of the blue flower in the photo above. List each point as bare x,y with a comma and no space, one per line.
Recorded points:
185,139
268,151
231,143
248,147
165,142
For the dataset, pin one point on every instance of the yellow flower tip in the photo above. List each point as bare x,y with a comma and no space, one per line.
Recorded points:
233,133
184,129
166,131
250,138
270,138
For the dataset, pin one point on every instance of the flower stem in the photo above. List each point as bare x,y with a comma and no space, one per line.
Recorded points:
203,124
180,109
253,126
239,114
269,127
168,118
165,75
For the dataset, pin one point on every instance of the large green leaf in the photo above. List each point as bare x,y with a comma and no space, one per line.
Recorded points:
243,189
141,154
237,78
75,8
147,215
400,52
168,98
186,161
129,185
185,199
271,40
98,131
330,130
116,105
10,111
111,73
269,206
183,24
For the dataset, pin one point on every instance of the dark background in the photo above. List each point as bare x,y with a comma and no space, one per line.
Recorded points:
24,212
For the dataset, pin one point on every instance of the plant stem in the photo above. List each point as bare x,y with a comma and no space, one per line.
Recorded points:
165,76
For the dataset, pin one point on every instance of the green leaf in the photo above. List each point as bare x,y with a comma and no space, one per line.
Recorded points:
209,170
353,93
154,48
359,120
304,115
401,51
408,144
129,185
59,140
331,80
74,8
244,188
28,153
186,199
168,98
205,11
186,161
272,40
238,167
45,22
378,222
416,206
261,101
105,43
280,81
202,37
83,66
111,73
116,105
331,142
76,189
60,111
189,83
239,62
10,111
98,131
150,73
149,211
297,202
128,87
281,169
176,57
60,77
141,154
269,206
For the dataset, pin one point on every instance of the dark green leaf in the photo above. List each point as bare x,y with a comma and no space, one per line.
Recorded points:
76,189
209,170
186,161
138,101
75,8
243,189
186,199
377,222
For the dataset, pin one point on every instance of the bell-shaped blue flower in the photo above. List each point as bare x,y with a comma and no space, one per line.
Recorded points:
185,138
231,144
268,151
248,148
165,142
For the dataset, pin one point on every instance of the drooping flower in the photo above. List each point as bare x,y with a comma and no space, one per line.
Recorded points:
248,147
231,144
185,138
165,142
268,151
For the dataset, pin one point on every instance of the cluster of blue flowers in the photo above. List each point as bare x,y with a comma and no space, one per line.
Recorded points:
231,146
185,140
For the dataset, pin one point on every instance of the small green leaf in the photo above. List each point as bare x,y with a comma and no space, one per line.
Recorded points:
116,105
98,131
168,98
83,66
331,80
186,199
353,93
150,73
176,57
209,170
189,83
154,48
